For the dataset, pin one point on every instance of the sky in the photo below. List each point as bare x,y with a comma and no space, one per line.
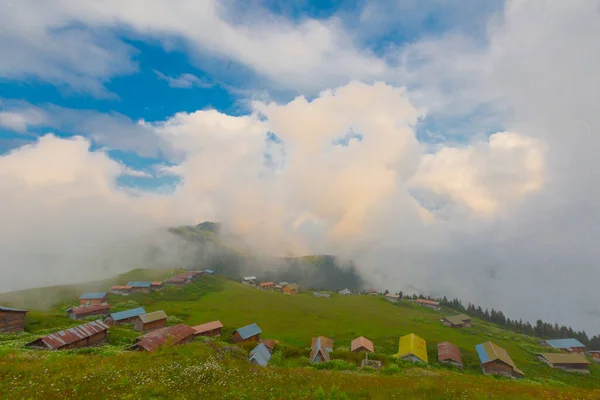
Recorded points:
446,148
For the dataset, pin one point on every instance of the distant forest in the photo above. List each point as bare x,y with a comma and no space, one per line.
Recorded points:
541,329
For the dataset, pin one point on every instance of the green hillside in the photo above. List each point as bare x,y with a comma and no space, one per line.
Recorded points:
217,369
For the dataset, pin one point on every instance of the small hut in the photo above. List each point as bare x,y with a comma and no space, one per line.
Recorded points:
156,286
140,287
456,321
167,336
267,285
573,362
449,353
392,298
570,345
292,288
412,348
260,355
496,361
124,317
150,321
248,333
434,305
319,352
123,290
12,319
209,329
91,299
86,335
361,344
82,312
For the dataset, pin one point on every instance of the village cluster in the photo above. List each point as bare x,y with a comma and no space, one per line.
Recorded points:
493,358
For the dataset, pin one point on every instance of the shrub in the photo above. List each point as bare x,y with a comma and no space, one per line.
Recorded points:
173,320
277,359
291,352
335,365
391,370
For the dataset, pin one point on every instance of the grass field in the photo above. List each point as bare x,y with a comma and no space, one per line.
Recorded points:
203,370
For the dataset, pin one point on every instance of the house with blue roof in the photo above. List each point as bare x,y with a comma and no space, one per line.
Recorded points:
142,287
570,345
92,299
248,333
124,317
260,355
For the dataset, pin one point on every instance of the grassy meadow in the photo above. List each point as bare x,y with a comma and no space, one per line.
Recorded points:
210,368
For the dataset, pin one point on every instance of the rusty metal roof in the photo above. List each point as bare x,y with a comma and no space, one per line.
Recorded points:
270,343
449,352
153,316
171,334
88,309
318,347
156,283
117,287
362,342
209,326
60,339
267,284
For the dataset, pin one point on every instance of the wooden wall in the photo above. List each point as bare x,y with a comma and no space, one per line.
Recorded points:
12,321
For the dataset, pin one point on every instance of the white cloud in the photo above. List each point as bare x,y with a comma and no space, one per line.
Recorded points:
183,81
44,42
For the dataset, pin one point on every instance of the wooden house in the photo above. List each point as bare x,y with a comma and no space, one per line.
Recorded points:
140,286
570,345
260,355
267,285
248,333
495,360
571,362
86,335
124,317
361,344
83,312
595,355
90,299
449,353
156,286
12,319
292,288
456,321
167,336
326,342
320,350
177,281
434,305
123,290
270,344
393,298
412,348
209,329
150,321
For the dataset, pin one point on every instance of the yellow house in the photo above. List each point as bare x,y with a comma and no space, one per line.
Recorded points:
412,348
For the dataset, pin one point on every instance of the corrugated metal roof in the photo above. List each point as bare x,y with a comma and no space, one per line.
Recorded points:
249,278
489,352
260,355
153,316
11,309
209,271
209,326
267,284
249,331
457,319
393,296
318,347
564,343
88,309
142,284
121,287
448,352
134,312
326,342
173,334
96,295
156,283
270,343
362,342
565,358
71,335
412,344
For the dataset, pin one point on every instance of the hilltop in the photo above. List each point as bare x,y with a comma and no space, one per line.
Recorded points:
209,368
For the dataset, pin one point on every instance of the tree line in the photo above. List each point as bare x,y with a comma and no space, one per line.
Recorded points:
541,329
